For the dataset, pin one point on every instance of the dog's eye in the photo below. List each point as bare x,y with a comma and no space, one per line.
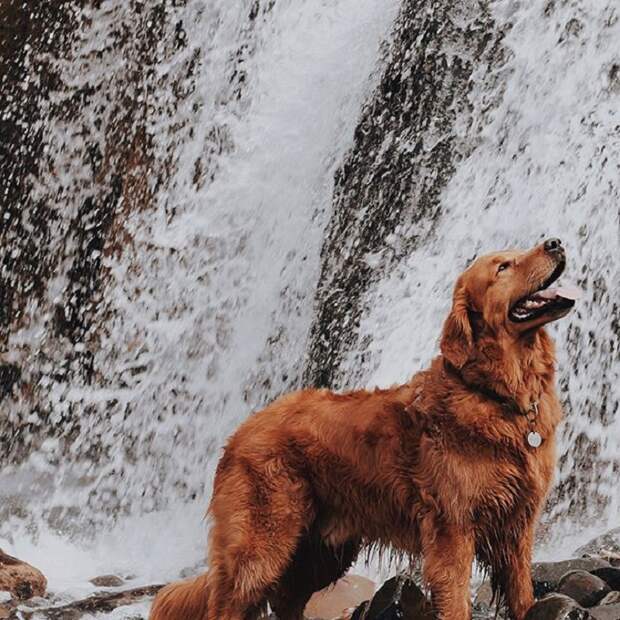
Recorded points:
503,267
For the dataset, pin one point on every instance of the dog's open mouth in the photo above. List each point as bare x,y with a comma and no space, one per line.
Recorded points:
545,300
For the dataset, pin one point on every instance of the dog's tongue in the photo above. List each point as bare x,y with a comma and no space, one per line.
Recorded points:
566,292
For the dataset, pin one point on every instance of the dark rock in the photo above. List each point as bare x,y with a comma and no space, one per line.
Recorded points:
610,599
605,612
398,598
610,575
389,185
584,587
360,612
557,607
546,575
607,544
107,581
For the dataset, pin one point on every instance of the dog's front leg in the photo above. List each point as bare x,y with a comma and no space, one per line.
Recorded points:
448,554
515,576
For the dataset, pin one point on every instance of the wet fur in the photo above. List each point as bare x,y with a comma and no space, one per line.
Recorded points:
434,468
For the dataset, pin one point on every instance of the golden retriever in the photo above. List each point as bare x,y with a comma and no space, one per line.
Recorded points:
452,466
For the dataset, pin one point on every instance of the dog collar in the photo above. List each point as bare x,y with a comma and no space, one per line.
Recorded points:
533,437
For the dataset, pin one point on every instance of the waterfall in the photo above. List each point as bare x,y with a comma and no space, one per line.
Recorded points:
218,202
189,151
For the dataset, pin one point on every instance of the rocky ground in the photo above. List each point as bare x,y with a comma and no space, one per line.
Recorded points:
585,587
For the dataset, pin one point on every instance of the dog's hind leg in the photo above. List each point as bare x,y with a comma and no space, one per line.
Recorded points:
259,517
315,566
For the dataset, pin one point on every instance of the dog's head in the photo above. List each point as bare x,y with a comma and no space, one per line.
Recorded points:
510,294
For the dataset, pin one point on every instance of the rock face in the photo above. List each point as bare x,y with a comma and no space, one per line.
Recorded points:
20,579
406,145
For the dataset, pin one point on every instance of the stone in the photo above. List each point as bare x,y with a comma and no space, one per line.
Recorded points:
398,598
584,587
359,613
606,545
22,580
557,607
99,603
546,575
605,612
610,599
610,575
484,594
332,602
107,581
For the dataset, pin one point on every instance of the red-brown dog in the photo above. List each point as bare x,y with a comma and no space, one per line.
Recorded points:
452,466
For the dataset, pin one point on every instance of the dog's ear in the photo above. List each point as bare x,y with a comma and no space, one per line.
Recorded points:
457,338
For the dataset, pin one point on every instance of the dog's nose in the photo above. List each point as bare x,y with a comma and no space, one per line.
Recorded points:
553,246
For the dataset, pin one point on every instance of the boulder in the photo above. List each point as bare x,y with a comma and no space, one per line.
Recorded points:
557,607
584,587
398,598
546,575
350,591
606,546
610,575
20,579
605,612
610,599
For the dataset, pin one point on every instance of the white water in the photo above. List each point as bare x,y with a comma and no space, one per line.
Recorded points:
210,302
546,165
205,304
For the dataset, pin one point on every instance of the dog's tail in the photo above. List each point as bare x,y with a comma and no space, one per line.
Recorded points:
184,600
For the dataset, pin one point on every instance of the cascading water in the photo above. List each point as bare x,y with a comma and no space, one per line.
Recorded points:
195,173
545,163
188,152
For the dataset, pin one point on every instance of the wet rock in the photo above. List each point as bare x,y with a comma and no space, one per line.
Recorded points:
611,599
610,575
484,594
6,604
605,612
546,575
350,591
405,149
398,598
19,578
557,607
102,602
359,613
107,581
584,587
605,546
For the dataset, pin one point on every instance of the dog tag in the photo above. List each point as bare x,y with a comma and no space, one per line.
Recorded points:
534,439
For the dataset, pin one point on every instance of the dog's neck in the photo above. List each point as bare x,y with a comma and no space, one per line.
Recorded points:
519,370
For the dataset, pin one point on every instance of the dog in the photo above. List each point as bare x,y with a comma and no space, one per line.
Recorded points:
450,467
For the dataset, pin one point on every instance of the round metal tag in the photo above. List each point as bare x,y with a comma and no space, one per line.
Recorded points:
534,439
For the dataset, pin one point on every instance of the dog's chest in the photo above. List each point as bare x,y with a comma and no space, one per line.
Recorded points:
472,480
